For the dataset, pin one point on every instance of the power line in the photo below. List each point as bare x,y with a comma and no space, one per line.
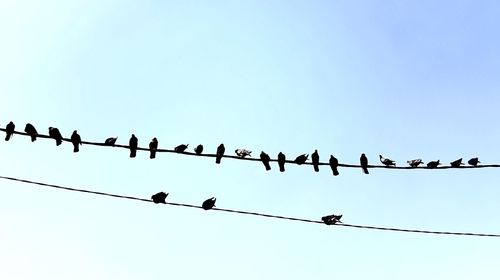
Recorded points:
251,213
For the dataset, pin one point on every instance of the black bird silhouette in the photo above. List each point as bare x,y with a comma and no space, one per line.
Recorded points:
433,164
110,141
9,130
265,158
281,161
242,153
159,197
386,161
473,161
331,219
133,142
415,162
153,146
301,159
315,160
76,140
209,203
220,152
31,131
334,163
456,163
181,148
363,160
54,133
199,149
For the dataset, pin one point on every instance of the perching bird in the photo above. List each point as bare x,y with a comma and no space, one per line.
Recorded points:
31,131
334,163
76,140
220,152
301,159
281,161
9,130
110,141
208,204
456,163
242,153
159,197
363,160
199,149
54,133
331,219
181,148
386,161
315,160
153,146
133,142
473,161
415,162
433,164
265,160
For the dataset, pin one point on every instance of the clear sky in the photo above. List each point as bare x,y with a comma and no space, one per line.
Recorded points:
405,79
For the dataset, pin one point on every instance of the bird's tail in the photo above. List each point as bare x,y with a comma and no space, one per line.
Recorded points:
152,155
282,167
267,165
335,171
217,159
316,168
76,149
33,138
58,142
366,170
132,153
7,137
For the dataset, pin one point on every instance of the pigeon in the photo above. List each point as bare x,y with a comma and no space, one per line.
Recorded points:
243,153
31,131
133,146
415,162
334,163
153,146
159,197
433,164
181,148
76,140
199,149
9,130
208,204
456,163
110,141
331,219
281,161
301,159
473,161
386,161
363,160
265,160
220,152
315,160
54,133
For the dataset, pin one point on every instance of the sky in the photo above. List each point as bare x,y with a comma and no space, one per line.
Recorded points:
405,79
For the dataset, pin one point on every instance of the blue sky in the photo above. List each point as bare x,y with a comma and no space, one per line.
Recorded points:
406,79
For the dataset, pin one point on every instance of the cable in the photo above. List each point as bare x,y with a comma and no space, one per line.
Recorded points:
252,213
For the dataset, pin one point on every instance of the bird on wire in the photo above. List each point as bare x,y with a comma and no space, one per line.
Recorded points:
220,152
386,161
76,140
242,153
31,131
55,134
473,161
415,162
181,148
159,197
153,146
331,219
199,149
208,204
301,159
9,130
334,163
433,164
315,160
133,142
265,158
110,141
363,160
456,163
281,161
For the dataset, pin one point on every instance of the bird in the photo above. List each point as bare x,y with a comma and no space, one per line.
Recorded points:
334,163
159,197
220,152
456,163
209,203
473,161
199,149
31,131
9,130
301,159
76,140
133,146
281,161
110,141
331,219
242,153
363,160
153,146
386,161
315,160
181,148
433,164
265,160
54,133
415,162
